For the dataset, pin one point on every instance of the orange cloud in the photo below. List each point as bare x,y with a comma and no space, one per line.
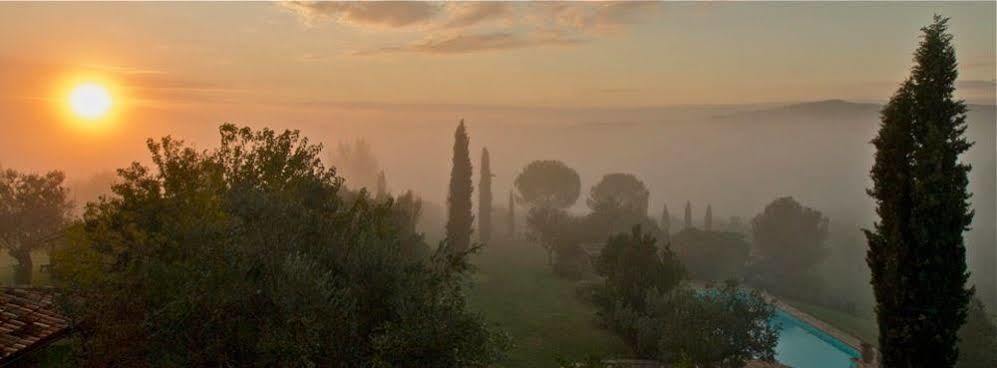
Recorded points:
380,13
466,43
465,27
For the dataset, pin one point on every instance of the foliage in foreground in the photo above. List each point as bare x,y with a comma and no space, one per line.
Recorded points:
248,255
644,302
916,250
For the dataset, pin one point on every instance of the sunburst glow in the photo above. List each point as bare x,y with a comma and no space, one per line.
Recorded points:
90,101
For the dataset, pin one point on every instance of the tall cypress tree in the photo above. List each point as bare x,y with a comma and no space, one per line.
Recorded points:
382,187
708,220
459,217
485,198
666,222
688,215
512,217
916,250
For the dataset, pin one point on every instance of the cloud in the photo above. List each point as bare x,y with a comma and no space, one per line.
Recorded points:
467,43
464,27
389,14
471,13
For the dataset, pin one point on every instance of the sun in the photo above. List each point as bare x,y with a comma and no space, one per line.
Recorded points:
90,101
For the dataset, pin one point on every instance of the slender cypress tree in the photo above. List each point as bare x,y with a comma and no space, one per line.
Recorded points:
916,250
512,217
382,186
708,220
459,217
688,215
666,222
485,198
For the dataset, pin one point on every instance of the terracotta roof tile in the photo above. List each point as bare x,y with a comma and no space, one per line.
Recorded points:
29,319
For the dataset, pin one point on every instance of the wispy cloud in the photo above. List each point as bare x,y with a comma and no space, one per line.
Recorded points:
466,43
466,27
472,13
389,14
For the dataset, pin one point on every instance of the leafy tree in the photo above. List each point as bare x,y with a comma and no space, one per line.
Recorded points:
548,184
619,193
644,303
708,220
33,209
512,216
356,163
916,250
666,222
549,227
711,255
788,239
406,211
485,198
633,266
721,326
688,215
598,225
977,338
618,202
251,254
459,217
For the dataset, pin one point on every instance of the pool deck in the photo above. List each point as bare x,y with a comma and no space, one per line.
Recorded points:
838,334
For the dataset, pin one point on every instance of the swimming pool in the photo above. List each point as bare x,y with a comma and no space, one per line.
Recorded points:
803,346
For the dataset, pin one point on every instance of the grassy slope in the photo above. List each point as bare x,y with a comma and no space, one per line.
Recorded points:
515,290
863,328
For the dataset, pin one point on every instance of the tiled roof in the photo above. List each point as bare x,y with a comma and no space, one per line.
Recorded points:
29,319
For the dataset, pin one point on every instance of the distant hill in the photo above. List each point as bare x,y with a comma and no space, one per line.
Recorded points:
826,109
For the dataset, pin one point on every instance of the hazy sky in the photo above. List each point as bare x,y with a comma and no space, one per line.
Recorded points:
181,68
565,54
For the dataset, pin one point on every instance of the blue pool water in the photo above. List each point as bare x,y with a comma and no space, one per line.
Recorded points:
803,346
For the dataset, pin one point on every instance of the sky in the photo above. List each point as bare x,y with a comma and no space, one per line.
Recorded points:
183,68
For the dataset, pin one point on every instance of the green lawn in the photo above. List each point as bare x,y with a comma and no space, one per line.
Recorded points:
515,290
863,328
7,268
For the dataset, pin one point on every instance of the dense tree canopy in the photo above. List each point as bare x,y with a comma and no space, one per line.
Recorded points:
644,302
789,238
720,326
711,255
33,210
916,251
551,228
252,254
548,184
619,193
633,265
